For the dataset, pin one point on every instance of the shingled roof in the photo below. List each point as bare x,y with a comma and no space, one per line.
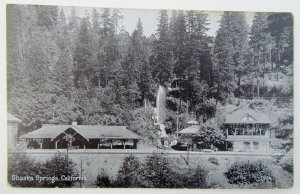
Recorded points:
190,130
192,122
247,116
87,131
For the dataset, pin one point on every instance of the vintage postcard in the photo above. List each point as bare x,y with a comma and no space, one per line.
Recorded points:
149,98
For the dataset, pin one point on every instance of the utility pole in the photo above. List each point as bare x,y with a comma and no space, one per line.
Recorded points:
188,154
177,122
81,170
257,84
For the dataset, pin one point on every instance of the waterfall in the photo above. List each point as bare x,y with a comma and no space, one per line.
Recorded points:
161,105
161,109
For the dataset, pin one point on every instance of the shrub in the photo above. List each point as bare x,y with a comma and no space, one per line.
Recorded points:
20,165
103,180
253,174
197,178
129,174
157,171
62,167
287,164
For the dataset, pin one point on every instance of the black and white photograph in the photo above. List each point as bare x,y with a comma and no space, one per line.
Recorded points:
101,97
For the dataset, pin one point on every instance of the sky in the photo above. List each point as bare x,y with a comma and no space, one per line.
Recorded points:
149,18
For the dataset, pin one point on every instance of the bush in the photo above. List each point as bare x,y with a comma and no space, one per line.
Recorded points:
157,171
62,167
286,164
129,174
197,178
254,174
53,169
103,180
20,165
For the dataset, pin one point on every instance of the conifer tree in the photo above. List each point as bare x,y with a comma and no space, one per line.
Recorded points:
223,61
82,56
162,59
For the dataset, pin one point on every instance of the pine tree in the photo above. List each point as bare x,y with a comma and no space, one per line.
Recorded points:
162,59
199,57
95,20
73,19
261,44
82,57
17,71
239,35
47,16
180,45
223,61
281,29
108,53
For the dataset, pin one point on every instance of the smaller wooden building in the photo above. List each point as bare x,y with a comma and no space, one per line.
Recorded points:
186,135
81,137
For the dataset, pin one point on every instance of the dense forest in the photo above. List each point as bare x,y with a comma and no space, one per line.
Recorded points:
64,68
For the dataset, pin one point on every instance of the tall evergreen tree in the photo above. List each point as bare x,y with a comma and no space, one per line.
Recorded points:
108,53
223,61
162,59
281,29
198,54
96,20
82,56
239,35
47,16
261,44
180,45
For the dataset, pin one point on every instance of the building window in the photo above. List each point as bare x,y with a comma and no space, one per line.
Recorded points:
247,145
255,145
263,131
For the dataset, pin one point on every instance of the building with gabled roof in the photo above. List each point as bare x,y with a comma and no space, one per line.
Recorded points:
12,130
247,116
186,135
247,130
83,137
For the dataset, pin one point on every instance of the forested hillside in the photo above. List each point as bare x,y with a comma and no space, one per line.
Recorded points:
64,68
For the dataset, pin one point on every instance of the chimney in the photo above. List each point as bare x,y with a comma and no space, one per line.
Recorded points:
74,122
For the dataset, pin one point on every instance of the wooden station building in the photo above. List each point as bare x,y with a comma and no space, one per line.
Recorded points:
81,137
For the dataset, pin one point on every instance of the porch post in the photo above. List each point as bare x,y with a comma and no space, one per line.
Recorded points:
259,129
135,143
26,143
111,144
40,141
124,144
56,144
